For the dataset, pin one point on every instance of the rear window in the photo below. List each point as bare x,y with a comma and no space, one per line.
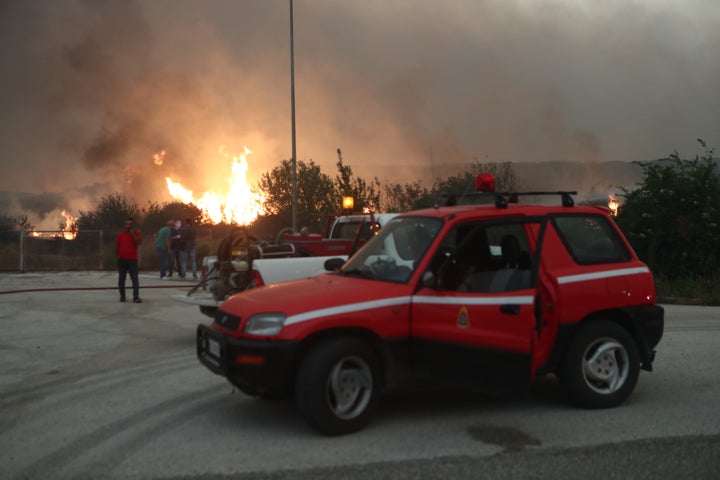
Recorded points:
349,230
591,239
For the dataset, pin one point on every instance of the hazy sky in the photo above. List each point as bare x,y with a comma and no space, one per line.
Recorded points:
408,89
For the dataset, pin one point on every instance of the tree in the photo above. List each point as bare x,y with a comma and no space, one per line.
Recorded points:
315,200
672,218
320,196
463,183
366,196
414,195
110,213
11,223
403,198
157,215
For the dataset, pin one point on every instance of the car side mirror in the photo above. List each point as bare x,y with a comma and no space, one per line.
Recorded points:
333,264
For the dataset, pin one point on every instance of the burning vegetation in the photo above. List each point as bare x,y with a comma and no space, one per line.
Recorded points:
68,229
239,204
613,204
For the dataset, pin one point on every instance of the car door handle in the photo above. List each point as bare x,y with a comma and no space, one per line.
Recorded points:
510,309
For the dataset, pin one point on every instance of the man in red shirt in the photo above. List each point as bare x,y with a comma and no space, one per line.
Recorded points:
126,250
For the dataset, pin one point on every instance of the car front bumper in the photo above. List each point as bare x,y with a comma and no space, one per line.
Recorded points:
257,367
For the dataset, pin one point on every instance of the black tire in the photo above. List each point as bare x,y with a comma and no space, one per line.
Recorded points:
601,367
337,386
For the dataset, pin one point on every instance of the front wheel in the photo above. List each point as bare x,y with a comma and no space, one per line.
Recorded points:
337,386
601,367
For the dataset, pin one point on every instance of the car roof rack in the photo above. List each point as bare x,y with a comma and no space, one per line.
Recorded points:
502,199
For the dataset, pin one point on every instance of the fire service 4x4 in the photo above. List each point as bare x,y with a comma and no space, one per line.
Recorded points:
486,297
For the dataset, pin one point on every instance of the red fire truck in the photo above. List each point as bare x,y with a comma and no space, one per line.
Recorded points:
487,297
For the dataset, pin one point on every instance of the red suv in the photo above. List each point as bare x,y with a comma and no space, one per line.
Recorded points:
482,296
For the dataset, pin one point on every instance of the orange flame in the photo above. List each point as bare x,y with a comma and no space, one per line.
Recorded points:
239,205
159,158
613,204
69,229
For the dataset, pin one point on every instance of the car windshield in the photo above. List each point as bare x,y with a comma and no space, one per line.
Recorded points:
395,252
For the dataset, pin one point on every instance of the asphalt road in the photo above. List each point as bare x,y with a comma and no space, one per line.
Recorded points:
94,388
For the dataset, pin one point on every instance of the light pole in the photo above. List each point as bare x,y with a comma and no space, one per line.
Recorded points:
292,115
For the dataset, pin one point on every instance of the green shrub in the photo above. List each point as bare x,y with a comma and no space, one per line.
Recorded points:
672,218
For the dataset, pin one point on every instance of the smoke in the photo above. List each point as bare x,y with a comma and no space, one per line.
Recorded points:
408,89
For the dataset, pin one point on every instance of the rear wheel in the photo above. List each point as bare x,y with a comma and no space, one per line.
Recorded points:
337,386
601,367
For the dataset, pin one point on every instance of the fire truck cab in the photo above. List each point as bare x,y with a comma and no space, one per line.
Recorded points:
482,296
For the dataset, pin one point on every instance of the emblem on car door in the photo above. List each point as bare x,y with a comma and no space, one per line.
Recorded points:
463,320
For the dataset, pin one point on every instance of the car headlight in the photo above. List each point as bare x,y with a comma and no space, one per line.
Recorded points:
265,324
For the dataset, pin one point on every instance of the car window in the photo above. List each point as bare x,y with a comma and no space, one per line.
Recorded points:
591,239
394,253
346,230
349,230
484,258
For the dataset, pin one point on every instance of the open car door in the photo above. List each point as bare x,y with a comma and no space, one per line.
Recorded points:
477,324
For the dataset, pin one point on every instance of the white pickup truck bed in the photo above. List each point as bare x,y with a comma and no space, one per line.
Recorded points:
280,270
276,270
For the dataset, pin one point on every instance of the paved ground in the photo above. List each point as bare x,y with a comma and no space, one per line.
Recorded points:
41,307
94,388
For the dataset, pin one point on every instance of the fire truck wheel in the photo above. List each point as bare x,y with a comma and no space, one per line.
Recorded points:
601,367
337,386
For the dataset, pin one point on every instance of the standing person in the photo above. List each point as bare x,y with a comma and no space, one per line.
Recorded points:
177,250
126,250
190,234
162,247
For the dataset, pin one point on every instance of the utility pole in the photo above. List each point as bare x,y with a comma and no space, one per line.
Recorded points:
292,114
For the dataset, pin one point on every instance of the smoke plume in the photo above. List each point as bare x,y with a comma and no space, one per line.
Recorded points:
409,89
